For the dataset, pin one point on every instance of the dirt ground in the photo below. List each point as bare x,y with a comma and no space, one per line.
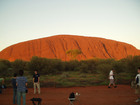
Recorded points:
95,95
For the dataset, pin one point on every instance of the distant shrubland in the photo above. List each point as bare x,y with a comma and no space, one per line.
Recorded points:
73,73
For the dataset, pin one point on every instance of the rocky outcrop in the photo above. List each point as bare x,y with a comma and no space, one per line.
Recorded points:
56,47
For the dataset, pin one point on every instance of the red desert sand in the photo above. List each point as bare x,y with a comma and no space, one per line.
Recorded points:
95,95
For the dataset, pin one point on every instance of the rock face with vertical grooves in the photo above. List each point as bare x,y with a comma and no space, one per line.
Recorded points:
55,47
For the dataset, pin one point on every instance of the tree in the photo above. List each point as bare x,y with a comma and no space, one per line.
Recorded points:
5,68
18,65
73,53
37,63
45,66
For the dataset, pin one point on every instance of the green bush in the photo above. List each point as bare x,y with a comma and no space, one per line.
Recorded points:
5,68
18,65
126,69
104,69
72,65
45,66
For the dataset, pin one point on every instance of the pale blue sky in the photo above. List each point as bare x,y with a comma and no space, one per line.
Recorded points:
22,20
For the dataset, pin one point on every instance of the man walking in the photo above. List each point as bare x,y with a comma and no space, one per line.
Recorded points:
112,78
36,79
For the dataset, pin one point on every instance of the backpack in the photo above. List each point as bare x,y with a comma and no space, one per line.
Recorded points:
137,80
72,95
0,90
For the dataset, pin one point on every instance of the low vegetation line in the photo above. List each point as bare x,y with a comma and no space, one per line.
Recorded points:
57,73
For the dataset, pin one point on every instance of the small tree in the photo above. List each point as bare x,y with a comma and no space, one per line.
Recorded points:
5,66
18,64
73,53
37,63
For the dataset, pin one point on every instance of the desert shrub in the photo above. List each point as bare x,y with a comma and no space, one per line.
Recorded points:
53,66
18,65
83,67
37,63
131,64
72,65
5,68
105,61
91,64
104,69
45,66
126,68
73,53
119,66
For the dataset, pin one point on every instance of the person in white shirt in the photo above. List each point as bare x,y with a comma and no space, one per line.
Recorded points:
137,80
111,78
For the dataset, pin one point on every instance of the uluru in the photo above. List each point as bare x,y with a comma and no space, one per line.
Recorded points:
55,47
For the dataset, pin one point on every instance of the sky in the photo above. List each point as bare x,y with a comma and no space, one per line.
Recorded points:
23,20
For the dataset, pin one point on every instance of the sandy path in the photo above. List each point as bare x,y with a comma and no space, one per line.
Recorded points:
95,95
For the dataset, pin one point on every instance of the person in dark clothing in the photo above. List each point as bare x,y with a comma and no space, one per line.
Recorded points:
1,84
14,88
21,83
36,79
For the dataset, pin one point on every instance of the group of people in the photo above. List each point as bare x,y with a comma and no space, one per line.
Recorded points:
19,84
137,82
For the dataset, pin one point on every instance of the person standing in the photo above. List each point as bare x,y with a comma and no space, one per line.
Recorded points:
1,84
137,90
14,88
36,81
21,83
112,79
